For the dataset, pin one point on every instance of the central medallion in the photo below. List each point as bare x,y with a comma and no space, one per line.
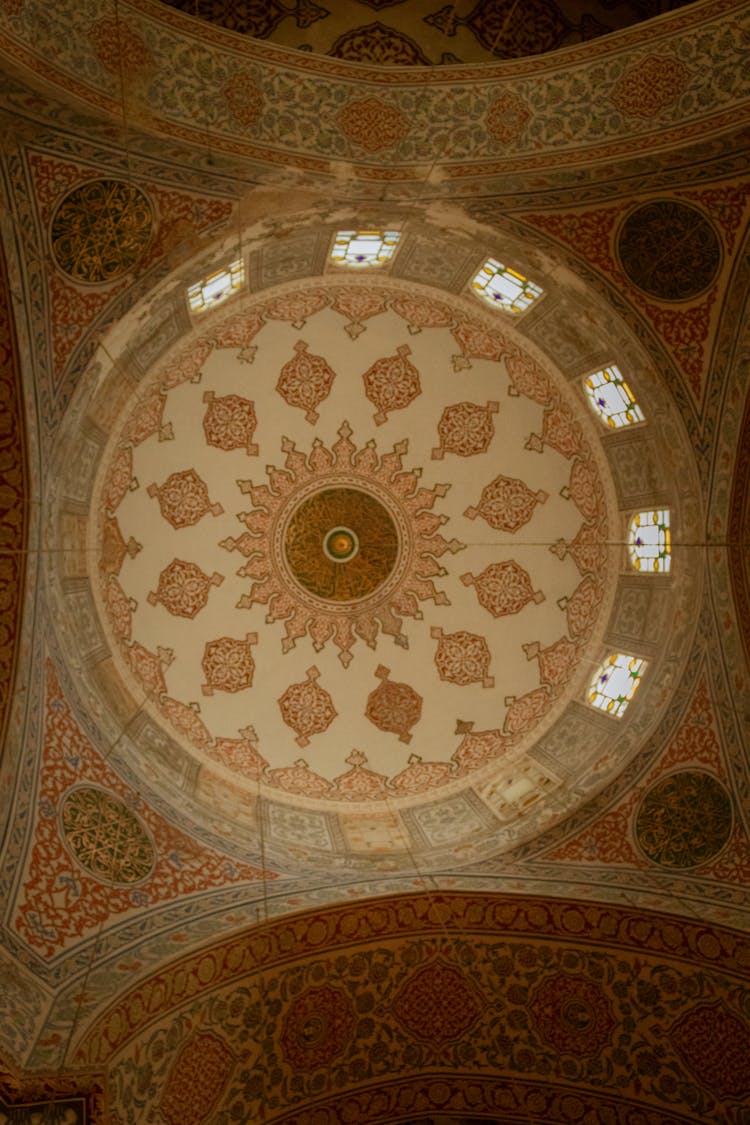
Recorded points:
341,544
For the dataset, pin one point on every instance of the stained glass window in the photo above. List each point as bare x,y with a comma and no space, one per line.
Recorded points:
504,287
615,683
364,247
650,542
612,398
212,290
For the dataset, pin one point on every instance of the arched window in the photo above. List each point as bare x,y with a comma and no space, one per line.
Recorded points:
212,290
615,683
650,542
360,248
612,398
504,287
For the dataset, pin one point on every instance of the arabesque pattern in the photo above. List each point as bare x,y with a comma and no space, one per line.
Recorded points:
305,381
230,422
259,629
307,707
466,429
506,504
183,499
341,466
503,588
100,230
462,658
228,664
684,820
105,836
392,383
468,1004
183,588
394,707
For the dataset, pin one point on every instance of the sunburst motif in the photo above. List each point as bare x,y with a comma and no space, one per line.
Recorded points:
365,592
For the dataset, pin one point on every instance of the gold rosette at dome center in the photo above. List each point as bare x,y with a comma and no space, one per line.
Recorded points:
341,544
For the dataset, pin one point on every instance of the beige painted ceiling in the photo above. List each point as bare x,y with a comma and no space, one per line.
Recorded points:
407,697
252,646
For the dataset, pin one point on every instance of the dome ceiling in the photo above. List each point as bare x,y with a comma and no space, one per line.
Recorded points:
425,32
353,544
355,548
232,887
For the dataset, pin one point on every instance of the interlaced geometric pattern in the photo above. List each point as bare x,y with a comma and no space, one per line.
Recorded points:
615,683
106,837
212,290
342,546
364,247
684,820
612,398
100,230
650,542
669,249
505,288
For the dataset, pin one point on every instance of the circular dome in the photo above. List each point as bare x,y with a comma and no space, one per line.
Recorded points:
352,547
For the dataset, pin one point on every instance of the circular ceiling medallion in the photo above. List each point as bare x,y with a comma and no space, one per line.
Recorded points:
341,544
334,568
684,820
573,1015
100,230
105,836
317,1027
669,250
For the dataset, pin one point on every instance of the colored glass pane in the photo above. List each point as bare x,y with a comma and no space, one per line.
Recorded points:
615,683
612,398
212,290
505,288
364,247
650,542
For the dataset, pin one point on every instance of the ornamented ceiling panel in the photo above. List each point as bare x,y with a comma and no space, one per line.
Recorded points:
421,32
356,548
667,253
142,792
293,494
100,854
269,104
382,1012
